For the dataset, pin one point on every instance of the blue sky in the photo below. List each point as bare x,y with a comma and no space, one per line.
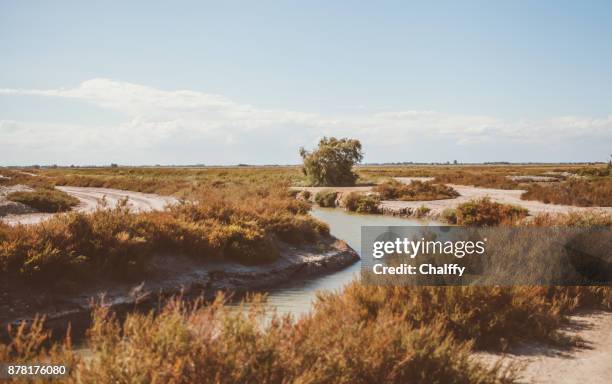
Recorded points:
249,82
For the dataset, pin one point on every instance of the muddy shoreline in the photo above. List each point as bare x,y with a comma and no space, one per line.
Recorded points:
169,276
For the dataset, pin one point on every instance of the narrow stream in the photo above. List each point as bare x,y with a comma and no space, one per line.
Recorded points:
296,296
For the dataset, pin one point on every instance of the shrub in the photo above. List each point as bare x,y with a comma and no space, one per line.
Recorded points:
422,211
487,316
332,162
596,171
326,198
583,193
486,212
572,219
416,190
361,203
45,200
304,195
214,344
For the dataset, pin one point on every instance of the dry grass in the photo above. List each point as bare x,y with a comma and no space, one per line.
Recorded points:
572,219
415,191
582,193
470,173
181,182
45,200
486,180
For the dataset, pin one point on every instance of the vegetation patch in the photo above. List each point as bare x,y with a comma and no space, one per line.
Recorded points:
486,180
361,203
582,193
422,211
45,199
326,198
485,212
596,171
414,191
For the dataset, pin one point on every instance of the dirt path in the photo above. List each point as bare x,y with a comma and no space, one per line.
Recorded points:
90,199
591,364
137,201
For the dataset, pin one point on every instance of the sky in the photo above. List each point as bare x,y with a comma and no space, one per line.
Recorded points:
198,82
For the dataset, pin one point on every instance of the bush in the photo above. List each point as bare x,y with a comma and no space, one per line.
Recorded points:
361,203
422,211
484,212
304,195
416,190
332,162
326,198
214,344
582,193
596,171
450,215
45,200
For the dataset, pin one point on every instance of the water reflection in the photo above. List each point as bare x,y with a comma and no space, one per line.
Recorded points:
296,296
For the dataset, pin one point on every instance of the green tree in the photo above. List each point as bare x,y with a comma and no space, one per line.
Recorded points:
332,162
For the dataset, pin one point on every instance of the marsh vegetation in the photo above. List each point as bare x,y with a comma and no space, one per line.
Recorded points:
233,223
360,335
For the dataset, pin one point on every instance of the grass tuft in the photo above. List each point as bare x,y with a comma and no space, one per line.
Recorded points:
45,199
326,198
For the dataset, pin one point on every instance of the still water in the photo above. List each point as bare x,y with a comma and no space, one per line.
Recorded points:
296,296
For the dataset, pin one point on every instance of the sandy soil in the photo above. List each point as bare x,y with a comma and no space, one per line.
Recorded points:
90,199
591,363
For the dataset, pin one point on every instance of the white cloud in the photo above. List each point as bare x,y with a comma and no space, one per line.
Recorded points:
156,118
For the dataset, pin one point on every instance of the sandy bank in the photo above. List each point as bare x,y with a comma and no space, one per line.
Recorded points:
591,363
